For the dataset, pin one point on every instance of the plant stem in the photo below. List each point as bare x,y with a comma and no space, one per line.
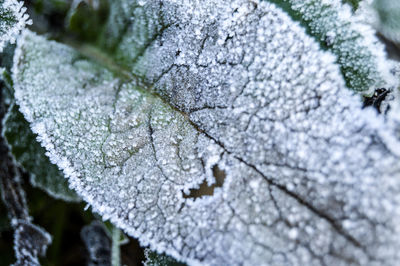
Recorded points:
115,251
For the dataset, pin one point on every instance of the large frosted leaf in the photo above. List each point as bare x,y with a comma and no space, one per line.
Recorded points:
12,20
300,175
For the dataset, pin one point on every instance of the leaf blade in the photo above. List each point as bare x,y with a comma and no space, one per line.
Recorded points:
284,212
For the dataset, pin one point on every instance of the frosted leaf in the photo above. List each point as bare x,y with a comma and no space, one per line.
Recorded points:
354,3
12,194
12,20
154,259
137,33
97,243
389,18
30,241
234,96
28,152
359,53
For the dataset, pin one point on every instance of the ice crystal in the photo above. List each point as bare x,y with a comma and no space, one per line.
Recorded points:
12,20
236,90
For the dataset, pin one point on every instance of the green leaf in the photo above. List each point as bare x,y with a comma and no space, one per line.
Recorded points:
31,156
226,137
154,259
85,18
354,3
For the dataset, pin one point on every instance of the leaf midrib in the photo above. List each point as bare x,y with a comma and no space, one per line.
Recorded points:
105,60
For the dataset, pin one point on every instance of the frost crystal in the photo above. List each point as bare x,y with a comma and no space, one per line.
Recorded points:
12,20
234,94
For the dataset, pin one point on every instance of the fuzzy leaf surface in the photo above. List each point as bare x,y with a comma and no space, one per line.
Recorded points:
141,33
255,110
361,56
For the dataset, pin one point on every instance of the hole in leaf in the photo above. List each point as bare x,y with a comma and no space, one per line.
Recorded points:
205,189
376,99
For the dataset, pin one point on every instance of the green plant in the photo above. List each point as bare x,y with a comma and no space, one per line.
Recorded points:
217,132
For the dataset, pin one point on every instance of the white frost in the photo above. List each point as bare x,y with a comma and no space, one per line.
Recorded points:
352,40
12,20
309,179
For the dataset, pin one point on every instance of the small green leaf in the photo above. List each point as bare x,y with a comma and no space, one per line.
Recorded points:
155,259
85,20
353,3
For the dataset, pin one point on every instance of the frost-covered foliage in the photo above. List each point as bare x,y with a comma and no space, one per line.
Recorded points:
32,157
97,244
359,53
389,18
154,259
12,20
103,244
234,94
30,241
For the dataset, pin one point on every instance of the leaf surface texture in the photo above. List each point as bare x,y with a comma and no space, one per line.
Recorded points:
255,107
